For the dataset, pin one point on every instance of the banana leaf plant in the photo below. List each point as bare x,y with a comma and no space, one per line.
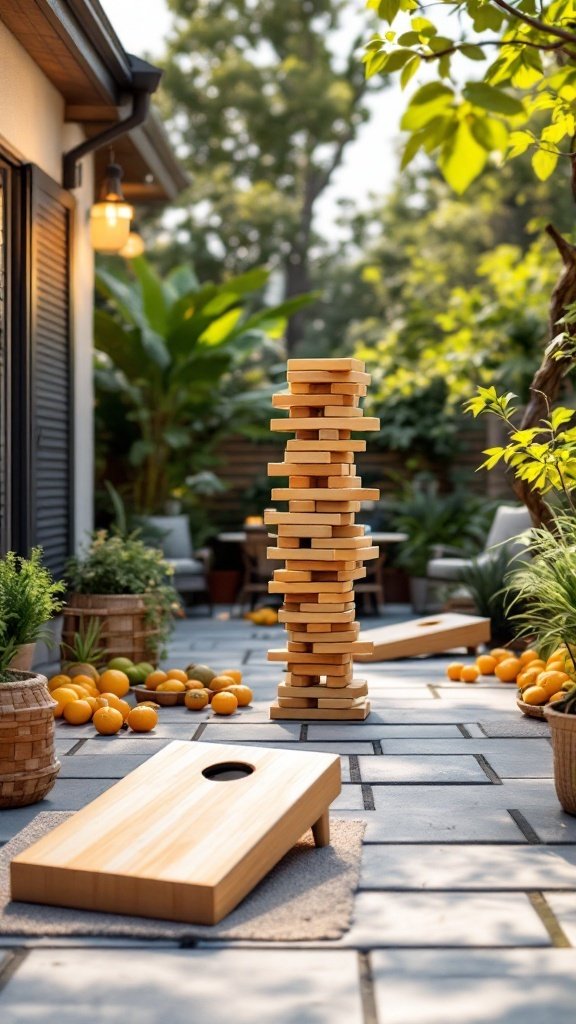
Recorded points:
179,365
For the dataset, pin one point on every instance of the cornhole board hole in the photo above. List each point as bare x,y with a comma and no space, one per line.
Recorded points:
185,836
430,635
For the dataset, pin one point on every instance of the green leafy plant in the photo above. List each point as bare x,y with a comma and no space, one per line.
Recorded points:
125,565
541,596
486,581
543,456
29,598
178,366
85,648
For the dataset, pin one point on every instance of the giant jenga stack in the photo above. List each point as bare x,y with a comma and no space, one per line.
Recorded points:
318,540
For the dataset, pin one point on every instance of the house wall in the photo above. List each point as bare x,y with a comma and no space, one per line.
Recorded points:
32,130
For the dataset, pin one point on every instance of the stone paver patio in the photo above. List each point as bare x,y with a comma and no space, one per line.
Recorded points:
466,910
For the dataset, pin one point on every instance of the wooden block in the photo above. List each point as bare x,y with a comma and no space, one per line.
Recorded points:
306,530
348,389
348,531
342,410
281,654
296,647
342,363
297,702
302,506
314,445
345,506
293,543
335,671
292,576
304,554
348,543
325,607
339,647
303,469
274,518
352,574
336,681
357,688
324,714
430,635
285,400
320,494
284,616
339,588
183,869
328,377
316,458
307,423
327,434
315,627
313,566
342,481
296,480
341,458
336,702
300,682
348,635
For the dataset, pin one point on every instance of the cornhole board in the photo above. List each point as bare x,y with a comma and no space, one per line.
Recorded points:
430,635
185,836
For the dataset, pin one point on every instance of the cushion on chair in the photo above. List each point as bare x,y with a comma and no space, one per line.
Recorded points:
190,566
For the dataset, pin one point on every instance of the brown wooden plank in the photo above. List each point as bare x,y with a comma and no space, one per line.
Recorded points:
323,714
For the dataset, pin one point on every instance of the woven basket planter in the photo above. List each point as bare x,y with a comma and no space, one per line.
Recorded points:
563,730
28,763
122,617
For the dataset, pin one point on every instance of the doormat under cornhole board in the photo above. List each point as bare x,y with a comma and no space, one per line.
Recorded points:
186,835
308,896
431,635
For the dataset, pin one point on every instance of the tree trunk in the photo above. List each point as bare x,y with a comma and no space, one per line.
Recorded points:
547,380
297,276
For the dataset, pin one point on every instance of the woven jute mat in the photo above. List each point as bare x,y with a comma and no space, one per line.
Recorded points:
308,895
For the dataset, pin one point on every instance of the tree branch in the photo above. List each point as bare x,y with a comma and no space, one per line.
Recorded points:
540,26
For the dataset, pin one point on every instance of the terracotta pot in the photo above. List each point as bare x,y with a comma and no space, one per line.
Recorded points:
22,661
122,617
28,763
563,730
224,585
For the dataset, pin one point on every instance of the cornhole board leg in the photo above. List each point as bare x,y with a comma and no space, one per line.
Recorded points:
430,635
185,836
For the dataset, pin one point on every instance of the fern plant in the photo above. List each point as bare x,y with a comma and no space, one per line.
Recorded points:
29,598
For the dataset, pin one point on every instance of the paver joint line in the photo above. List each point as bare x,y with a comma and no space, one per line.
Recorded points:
355,776
73,749
368,797
15,959
367,991
549,919
488,769
464,731
525,827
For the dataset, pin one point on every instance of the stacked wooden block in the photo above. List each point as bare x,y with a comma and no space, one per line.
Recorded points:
318,540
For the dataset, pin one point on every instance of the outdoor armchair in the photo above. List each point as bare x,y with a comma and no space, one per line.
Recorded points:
508,523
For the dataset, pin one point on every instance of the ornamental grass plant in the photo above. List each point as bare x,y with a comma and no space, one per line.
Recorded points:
29,598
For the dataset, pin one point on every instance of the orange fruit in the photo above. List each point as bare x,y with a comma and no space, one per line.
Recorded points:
78,690
528,676
243,695
142,718
149,704
529,655
120,705
171,686
86,681
177,673
557,696
234,674
195,700
469,674
107,721
486,663
453,670
93,702
508,669
534,695
63,696
500,653
224,703
114,681
221,683
101,702
551,681
77,712
154,678
194,684
55,681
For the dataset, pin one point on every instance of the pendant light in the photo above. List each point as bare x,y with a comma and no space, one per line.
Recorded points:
110,217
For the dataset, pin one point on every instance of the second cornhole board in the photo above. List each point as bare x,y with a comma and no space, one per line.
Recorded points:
180,839
430,635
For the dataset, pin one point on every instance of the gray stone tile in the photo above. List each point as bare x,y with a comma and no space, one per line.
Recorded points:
419,768
67,795
118,746
323,748
512,758
550,823
515,725
474,986
224,732
96,766
286,986
350,799
488,868
368,731
405,816
444,919
63,746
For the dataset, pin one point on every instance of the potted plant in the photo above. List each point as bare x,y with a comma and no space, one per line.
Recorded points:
29,597
126,586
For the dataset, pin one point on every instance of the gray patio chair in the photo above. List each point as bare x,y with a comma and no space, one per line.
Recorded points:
508,524
172,535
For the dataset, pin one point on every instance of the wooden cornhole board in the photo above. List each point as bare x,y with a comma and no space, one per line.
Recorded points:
169,842
430,635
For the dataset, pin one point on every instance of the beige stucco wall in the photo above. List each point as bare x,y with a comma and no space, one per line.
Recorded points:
32,130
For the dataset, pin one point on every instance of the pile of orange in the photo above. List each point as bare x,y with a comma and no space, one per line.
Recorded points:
98,699
202,686
539,681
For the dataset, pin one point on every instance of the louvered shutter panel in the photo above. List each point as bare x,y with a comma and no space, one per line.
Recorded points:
51,369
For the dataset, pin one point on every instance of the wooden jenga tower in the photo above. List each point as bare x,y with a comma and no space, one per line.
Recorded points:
318,540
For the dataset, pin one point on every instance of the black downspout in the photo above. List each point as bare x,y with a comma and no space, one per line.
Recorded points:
71,176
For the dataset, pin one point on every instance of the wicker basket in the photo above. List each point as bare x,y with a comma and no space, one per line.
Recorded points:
563,730
28,764
124,630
